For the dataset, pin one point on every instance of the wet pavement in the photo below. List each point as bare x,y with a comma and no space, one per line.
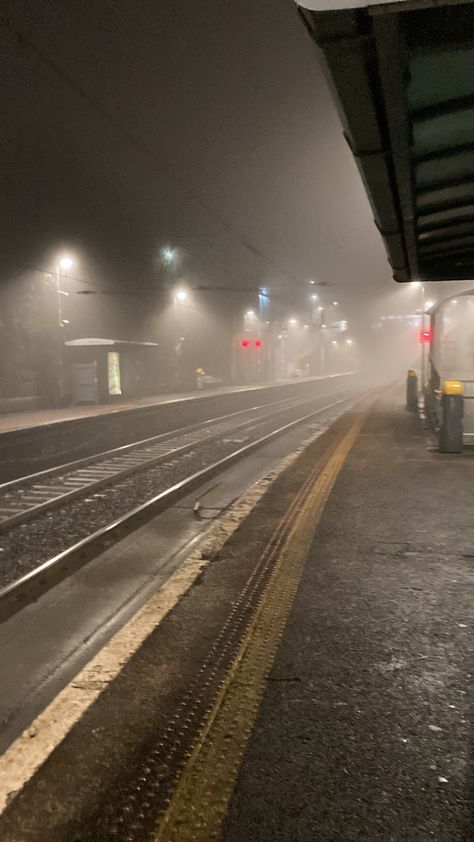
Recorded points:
365,729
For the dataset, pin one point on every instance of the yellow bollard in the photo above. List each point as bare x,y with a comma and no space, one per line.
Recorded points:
452,405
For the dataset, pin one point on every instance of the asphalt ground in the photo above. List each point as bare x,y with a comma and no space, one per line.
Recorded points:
365,731
361,728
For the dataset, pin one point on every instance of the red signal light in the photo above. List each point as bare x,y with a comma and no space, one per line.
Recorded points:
244,343
258,343
426,335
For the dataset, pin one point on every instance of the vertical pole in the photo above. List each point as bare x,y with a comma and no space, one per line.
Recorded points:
422,343
58,296
60,325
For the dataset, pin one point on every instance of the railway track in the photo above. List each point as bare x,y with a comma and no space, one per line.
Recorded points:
40,548
26,498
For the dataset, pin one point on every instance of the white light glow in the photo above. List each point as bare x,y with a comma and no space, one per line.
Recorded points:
293,322
181,295
168,254
429,305
250,314
335,304
65,262
314,297
415,284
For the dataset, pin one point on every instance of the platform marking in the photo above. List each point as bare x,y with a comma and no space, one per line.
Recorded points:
32,748
199,803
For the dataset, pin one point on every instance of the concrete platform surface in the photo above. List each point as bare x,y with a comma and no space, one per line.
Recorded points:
365,731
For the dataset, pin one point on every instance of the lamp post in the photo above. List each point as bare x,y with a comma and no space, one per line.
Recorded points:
180,296
63,264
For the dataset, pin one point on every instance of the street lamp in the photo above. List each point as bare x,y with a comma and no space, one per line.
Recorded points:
168,255
64,263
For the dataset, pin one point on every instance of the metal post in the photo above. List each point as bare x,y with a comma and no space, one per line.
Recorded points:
61,326
412,391
422,371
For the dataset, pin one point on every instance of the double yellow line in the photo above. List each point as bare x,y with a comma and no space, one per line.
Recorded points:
199,803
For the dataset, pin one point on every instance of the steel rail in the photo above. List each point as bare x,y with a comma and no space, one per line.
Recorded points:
124,448
85,476
32,585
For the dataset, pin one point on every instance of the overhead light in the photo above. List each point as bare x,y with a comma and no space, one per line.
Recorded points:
181,295
168,254
65,262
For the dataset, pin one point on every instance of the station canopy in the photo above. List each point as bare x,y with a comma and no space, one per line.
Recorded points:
403,78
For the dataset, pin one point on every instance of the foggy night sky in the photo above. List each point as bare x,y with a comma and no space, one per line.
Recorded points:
223,100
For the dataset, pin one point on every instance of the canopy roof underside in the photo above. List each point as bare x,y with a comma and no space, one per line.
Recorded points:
404,83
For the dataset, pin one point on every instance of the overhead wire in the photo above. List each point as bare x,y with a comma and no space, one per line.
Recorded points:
157,158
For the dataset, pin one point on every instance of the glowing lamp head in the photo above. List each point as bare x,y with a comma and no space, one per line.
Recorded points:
181,295
65,262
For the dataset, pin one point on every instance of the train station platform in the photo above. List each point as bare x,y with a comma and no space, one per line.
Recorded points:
55,415
306,675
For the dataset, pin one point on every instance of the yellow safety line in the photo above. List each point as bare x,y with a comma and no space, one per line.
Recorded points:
199,803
